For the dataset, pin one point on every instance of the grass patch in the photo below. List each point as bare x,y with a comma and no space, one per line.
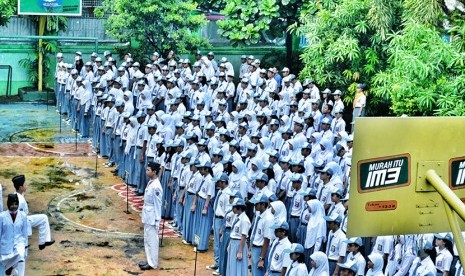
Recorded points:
7,174
35,135
52,177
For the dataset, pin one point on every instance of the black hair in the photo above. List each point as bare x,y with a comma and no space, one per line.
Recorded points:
301,168
160,149
432,254
154,167
269,172
242,207
227,168
79,65
300,258
228,138
18,181
12,198
449,246
169,154
210,171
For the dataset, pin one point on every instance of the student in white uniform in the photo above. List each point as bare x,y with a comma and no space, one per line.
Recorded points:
151,216
278,259
13,237
220,209
336,246
237,250
297,267
319,262
40,220
353,246
444,253
260,226
375,265
423,264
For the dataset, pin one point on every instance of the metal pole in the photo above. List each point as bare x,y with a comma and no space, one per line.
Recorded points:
76,133
60,117
127,191
96,159
195,262
443,189
454,226
163,228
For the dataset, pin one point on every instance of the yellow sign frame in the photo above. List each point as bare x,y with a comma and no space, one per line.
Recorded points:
431,142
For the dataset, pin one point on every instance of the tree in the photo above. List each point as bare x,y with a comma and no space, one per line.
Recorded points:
157,25
345,42
7,9
248,22
400,48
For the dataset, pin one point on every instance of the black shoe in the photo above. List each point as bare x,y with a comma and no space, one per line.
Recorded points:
145,267
42,246
9,271
139,194
143,264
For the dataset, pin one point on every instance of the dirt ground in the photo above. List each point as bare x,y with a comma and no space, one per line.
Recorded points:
94,236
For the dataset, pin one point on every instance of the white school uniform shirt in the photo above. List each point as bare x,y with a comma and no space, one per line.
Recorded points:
151,146
194,182
111,118
443,259
22,204
264,228
240,227
125,131
297,204
230,217
337,105
383,245
280,257
258,230
207,187
422,267
284,180
223,201
338,125
297,269
337,245
359,260
217,169
323,193
338,209
142,135
186,174
13,233
151,211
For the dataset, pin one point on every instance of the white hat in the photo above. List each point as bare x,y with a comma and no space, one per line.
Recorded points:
59,55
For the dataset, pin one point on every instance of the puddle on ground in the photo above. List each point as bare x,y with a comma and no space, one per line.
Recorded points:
32,122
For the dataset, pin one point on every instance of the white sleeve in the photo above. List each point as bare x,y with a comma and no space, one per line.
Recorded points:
342,248
287,260
318,243
405,265
447,263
